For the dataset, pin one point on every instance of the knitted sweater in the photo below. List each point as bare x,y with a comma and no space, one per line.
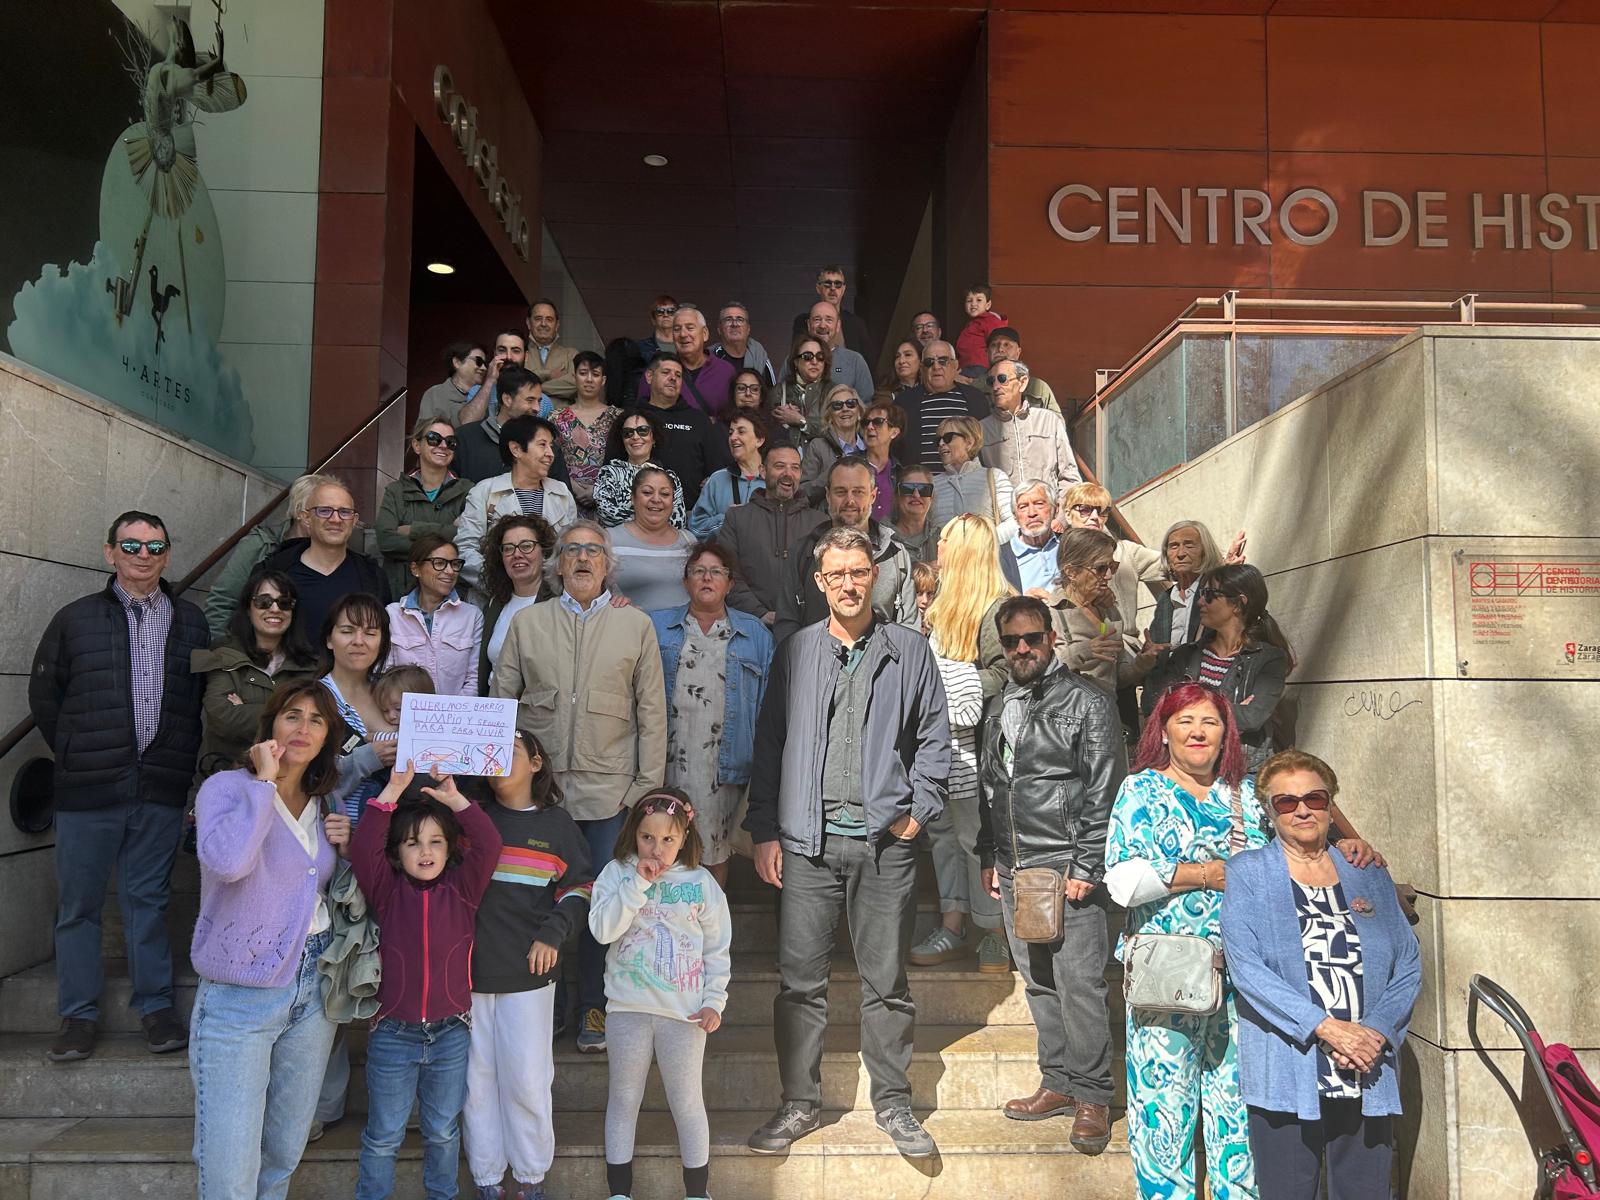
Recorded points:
258,889
669,940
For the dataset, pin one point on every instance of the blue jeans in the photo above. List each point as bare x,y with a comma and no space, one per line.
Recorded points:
428,1062
140,841
602,839
256,1055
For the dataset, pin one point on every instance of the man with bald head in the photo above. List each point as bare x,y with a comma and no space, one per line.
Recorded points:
707,379
853,332
938,397
849,368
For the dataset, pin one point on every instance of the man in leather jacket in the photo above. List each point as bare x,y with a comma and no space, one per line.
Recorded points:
1050,762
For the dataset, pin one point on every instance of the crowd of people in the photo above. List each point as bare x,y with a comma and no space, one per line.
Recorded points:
747,607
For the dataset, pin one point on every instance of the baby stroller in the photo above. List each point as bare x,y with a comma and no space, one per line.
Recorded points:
1567,1172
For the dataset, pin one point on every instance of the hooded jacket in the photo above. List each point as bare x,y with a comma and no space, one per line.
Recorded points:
894,596
764,534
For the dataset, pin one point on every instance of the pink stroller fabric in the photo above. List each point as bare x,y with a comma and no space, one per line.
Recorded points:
1580,1100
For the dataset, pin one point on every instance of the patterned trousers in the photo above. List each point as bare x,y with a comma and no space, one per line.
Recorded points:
1183,1070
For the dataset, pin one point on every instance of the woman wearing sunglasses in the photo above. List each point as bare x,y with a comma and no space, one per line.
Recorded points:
636,438
433,627
913,502
262,647
1241,653
797,400
1186,808
966,485
428,500
1089,626
840,435
1327,971
467,365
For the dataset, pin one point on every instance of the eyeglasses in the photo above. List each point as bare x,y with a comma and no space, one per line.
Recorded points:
747,389
1088,510
809,356
835,579
735,321
708,573
842,405
156,546
445,564
439,439
876,422
1317,801
1010,641
327,512
915,489
664,310
832,283
946,438
1001,377
583,550
264,602
525,549
636,431
923,326
937,360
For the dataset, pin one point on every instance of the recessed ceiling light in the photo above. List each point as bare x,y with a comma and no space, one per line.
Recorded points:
655,160
441,268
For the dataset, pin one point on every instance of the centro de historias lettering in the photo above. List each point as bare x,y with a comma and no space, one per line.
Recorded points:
1309,216
483,158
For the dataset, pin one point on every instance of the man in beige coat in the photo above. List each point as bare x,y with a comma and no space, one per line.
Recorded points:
587,678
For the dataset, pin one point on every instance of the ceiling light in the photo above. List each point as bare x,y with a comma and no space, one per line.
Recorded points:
655,160
441,268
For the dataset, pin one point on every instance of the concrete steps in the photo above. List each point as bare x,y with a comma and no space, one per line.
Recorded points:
981,1154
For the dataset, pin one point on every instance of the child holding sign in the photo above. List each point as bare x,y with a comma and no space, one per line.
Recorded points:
424,870
666,978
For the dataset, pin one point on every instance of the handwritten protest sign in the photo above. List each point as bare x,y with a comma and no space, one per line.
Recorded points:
457,735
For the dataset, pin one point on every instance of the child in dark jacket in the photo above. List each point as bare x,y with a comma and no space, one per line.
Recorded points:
423,869
538,897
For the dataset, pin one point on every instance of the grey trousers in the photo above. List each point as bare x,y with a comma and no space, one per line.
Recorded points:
876,886
953,838
1066,990
1290,1153
678,1048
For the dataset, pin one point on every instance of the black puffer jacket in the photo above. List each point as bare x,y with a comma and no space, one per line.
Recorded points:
1054,808
81,697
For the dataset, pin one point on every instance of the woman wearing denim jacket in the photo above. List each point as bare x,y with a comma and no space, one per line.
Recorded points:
714,661
1327,971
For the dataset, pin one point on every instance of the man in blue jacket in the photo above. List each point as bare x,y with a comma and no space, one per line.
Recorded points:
852,760
112,694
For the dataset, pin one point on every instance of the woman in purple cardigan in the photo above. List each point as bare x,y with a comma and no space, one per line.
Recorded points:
259,1037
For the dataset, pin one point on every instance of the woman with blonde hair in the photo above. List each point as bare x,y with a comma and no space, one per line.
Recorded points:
966,645
841,435
966,485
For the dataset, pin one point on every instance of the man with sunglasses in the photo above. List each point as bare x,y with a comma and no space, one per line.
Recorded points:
937,398
849,367
322,566
1006,343
852,330
1049,766
1024,440
765,534
113,696
852,760
737,348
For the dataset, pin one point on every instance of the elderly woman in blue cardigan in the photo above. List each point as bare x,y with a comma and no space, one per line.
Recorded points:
1327,970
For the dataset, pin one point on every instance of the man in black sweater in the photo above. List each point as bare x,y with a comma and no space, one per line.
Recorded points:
695,446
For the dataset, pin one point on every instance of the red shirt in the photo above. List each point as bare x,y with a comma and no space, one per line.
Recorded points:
972,347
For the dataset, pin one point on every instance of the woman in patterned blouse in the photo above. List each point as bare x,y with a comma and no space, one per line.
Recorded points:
1327,971
584,426
636,438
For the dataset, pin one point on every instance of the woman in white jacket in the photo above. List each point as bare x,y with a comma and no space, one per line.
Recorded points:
966,485
528,446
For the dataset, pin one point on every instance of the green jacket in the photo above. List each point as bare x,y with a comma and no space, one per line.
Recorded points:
349,968
250,553
405,503
230,729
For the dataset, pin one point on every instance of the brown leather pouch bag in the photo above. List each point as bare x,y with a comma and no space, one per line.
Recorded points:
1038,895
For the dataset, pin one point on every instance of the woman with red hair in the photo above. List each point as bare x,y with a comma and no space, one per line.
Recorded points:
1184,810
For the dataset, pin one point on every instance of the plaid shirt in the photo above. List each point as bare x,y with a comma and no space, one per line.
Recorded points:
149,621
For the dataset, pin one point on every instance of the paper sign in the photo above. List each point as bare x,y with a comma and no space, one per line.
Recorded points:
456,735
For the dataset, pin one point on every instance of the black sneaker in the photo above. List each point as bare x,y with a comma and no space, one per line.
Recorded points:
163,1032
906,1132
74,1042
788,1125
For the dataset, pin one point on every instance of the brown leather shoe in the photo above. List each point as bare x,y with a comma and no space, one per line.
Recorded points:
1040,1106
1091,1128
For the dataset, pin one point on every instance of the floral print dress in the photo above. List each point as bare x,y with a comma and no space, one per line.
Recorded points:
695,714
584,445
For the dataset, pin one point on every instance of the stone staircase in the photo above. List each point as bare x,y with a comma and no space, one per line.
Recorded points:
121,1123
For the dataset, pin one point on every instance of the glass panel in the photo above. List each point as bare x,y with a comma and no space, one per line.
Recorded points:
1082,436
1145,424
1275,369
1205,380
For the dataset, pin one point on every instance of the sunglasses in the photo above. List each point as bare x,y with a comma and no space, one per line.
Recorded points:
446,564
946,438
915,489
439,439
841,405
876,422
809,356
1104,570
833,283
937,360
664,310
1283,804
1000,377
1088,510
747,389
1207,594
477,358
264,603
637,431
156,546
1010,641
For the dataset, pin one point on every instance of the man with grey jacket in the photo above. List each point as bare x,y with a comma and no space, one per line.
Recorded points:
852,759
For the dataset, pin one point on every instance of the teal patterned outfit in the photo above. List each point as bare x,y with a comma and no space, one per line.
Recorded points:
1183,1069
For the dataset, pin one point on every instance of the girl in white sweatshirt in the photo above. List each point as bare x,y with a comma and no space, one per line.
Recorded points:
666,922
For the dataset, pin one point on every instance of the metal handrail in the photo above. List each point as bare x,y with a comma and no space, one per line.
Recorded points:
22,728
1465,307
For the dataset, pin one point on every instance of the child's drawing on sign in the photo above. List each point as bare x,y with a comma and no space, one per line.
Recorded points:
457,735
